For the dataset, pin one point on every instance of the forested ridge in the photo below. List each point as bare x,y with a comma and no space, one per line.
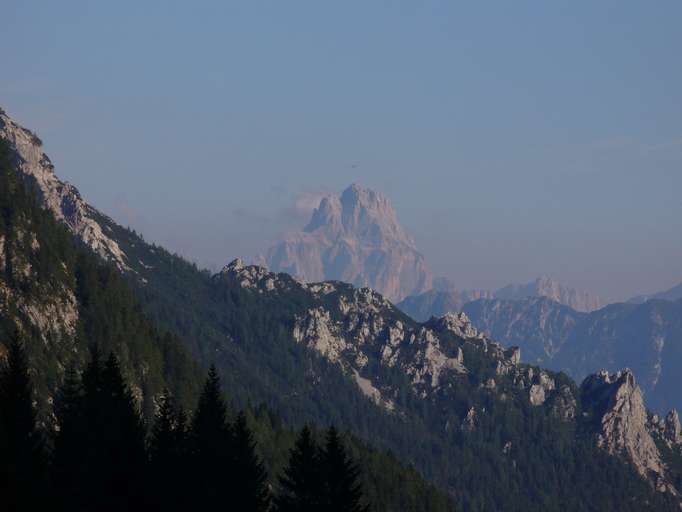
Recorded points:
73,404
177,319
550,464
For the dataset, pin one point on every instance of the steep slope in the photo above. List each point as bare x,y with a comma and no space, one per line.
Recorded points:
645,337
674,293
354,237
60,198
59,298
450,401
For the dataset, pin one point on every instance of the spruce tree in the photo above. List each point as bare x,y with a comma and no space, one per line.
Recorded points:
343,492
22,457
250,490
112,449
122,440
302,482
68,459
168,450
211,446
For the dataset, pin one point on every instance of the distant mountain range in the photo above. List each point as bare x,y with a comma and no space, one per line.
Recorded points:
354,237
645,337
544,286
446,298
673,293
445,398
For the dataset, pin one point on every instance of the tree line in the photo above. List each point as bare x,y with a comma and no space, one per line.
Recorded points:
102,456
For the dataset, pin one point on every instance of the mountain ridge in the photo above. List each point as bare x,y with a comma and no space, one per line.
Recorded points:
438,393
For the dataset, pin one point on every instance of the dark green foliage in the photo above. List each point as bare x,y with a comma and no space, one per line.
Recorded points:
320,479
111,320
22,458
169,471
45,267
301,483
211,445
100,456
250,489
248,336
342,489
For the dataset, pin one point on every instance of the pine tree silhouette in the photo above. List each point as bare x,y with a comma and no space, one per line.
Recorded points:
68,461
343,492
250,490
302,481
211,447
122,441
22,457
168,450
112,447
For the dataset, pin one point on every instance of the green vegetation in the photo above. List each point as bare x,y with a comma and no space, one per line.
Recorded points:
152,373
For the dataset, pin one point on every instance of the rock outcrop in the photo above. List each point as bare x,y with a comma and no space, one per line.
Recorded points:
354,237
624,424
645,337
61,198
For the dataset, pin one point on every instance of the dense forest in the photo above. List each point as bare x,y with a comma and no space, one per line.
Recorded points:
519,457
166,320
101,457
54,383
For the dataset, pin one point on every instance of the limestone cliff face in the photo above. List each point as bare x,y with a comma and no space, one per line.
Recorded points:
625,427
360,330
61,198
354,237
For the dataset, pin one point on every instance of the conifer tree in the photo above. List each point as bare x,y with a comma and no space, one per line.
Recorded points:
302,482
22,457
169,456
112,450
122,438
212,446
68,460
343,492
250,490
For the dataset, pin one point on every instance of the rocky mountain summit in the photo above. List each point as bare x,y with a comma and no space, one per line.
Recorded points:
354,237
627,428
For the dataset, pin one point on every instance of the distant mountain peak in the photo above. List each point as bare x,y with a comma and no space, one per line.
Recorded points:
354,237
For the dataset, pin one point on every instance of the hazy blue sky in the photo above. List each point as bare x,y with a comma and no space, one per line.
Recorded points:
513,138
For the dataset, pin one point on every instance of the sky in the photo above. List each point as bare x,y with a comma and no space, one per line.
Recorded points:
513,138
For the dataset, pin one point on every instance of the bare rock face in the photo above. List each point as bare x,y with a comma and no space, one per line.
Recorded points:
61,198
360,330
624,424
545,286
354,237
